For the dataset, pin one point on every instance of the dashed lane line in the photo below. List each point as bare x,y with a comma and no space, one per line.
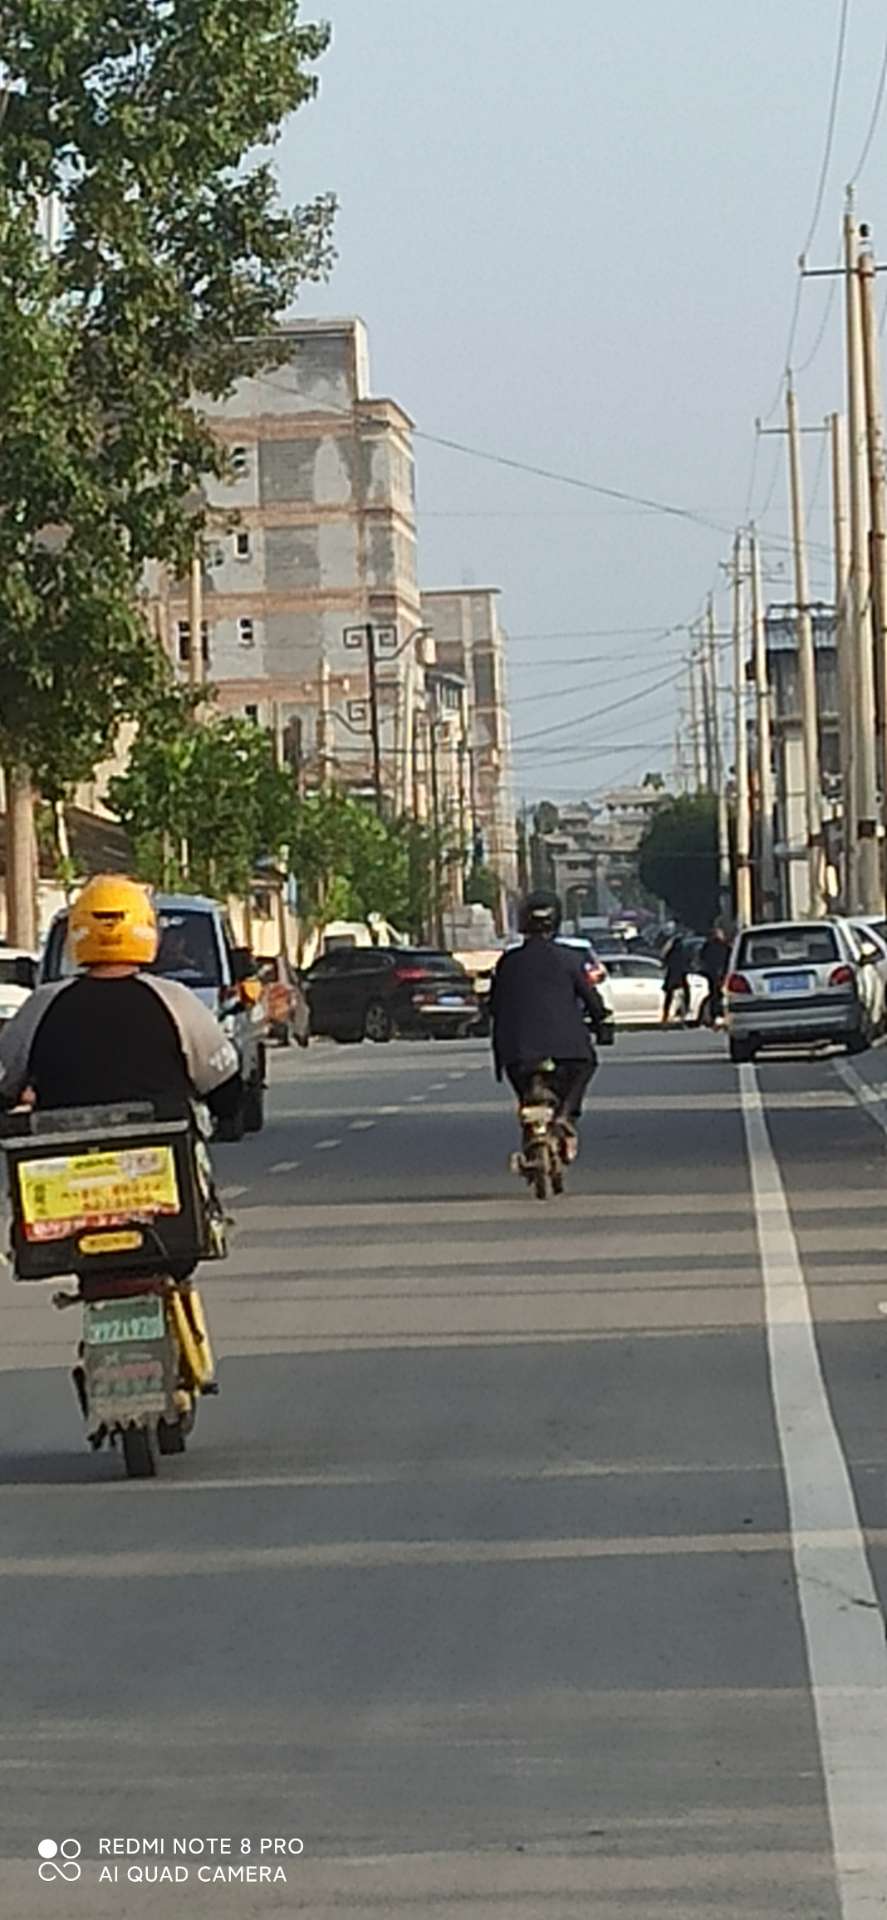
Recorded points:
361,1126
841,1612
234,1193
285,1166
323,1146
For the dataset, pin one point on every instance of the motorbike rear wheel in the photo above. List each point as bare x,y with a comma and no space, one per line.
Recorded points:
138,1453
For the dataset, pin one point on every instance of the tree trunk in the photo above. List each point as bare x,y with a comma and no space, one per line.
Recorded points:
21,860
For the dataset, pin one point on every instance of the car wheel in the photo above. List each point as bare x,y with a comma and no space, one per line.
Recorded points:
377,1023
347,1039
742,1051
859,1040
254,1107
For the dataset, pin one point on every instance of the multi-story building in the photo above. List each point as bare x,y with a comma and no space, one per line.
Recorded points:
592,853
470,643
312,536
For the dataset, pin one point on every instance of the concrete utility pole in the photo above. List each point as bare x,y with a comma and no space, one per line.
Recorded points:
696,737
707,718
195,622
719,769
806,663
870,895
843,640
764,722
877,473
21,860
743,814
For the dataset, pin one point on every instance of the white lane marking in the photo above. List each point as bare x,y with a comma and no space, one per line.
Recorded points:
438,1086
323,1146
843,1621
234,1193
415,1098
387,1110
455,1076
869,1097
285,1166
361,1126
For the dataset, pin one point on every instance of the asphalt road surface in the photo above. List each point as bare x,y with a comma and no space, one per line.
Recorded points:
532,1560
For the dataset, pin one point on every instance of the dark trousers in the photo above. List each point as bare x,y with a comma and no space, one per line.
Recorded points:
568,1082
671,990
714,1005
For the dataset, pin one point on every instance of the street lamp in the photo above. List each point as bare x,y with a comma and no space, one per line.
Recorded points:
380,642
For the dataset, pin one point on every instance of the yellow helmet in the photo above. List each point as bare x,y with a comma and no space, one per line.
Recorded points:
112,923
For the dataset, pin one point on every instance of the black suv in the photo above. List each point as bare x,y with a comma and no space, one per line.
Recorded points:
372,993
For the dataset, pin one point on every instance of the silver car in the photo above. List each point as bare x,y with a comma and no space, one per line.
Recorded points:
796,981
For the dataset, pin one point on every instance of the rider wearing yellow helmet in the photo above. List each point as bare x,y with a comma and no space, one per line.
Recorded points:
114,1032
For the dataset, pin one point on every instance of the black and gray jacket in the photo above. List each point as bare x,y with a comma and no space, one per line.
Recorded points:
95,1042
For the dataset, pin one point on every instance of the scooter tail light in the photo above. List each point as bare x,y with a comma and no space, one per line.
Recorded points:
737,983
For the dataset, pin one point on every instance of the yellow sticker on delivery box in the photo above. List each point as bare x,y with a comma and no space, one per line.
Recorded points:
71,1192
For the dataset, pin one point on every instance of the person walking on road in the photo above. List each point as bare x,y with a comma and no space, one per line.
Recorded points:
713,962
674,980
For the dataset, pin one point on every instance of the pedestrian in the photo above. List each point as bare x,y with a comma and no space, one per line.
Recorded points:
713,962
674,980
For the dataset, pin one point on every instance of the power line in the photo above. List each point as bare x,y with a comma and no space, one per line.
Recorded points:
588,633
599,713
876,115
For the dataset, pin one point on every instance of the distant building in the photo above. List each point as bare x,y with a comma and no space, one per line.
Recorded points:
469,642
313,536
592,853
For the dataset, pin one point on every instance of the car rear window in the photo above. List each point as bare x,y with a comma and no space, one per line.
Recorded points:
788,947
188,950
432,962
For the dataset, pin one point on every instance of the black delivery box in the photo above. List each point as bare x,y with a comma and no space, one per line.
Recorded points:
109,1189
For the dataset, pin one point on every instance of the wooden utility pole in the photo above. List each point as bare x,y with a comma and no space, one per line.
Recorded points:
877,476
720,775
764,724
870,897
743,815
843,642
806,663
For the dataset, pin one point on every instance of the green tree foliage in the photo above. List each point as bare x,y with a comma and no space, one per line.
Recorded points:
482,888
202,803
349,863
678,858
173,260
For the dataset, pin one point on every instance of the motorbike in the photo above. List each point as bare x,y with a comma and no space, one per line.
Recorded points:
541,1157
125,1203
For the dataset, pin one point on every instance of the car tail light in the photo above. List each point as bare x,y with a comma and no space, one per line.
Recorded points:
595,972
737,983
410,973
841,976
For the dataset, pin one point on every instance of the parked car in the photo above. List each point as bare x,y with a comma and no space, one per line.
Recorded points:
286,1007
634,989
373,993
872,937
197,946
18,978
799,981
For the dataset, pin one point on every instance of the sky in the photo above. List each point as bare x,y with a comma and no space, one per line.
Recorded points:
572,231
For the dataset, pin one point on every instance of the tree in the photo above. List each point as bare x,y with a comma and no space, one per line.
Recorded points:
678,858
482,888
350,864
202,803
137,120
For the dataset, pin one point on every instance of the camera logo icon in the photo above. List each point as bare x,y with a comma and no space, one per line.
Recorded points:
59,1860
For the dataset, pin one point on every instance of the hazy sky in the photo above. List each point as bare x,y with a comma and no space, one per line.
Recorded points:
572,230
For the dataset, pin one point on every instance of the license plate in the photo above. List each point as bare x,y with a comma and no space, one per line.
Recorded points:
112,1323
128,1359
789,982
451,1000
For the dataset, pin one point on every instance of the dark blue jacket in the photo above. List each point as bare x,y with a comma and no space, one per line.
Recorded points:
535,1005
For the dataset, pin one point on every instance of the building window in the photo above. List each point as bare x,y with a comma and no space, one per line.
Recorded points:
242,546
246,633
252,713
183,631
240,462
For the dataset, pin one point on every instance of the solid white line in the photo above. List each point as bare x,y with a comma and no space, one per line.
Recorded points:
387,1110
285,1166
869,1097
323,1146
361,1126
843,1621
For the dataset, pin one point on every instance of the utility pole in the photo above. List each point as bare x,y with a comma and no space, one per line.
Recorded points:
764,723
724,888
743,815
374,715
707,719
696,738
437,904
843,639
21,859
195,622
870,896
806,663
323,725
877,473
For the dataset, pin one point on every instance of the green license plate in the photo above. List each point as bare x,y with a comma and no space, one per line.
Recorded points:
115,1323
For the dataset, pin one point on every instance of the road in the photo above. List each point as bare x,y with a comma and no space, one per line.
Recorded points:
532,1560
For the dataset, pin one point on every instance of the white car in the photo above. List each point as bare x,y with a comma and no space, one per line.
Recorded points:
799,981
633,989
872,936
18,978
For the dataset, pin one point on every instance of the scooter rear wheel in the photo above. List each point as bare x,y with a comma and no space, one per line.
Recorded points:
138,1454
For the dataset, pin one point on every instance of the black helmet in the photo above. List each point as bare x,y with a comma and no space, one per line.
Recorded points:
541,915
